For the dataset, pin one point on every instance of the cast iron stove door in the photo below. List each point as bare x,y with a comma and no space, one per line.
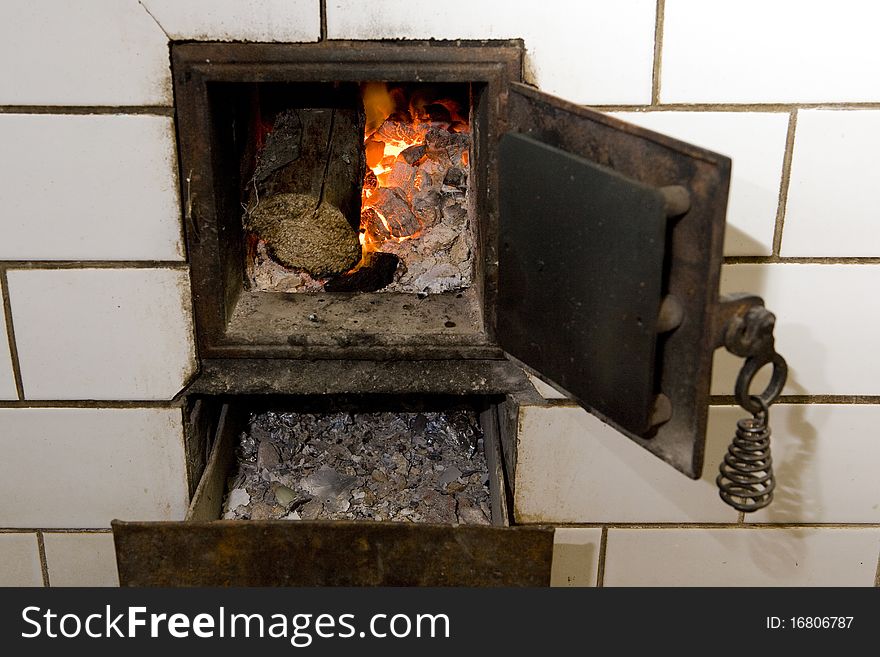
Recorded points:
602,225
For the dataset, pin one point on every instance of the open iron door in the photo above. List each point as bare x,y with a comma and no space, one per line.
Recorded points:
610,248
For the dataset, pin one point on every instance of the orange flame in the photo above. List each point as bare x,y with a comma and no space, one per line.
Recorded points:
394,123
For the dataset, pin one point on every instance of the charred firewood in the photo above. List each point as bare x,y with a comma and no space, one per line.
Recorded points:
374,273
304,197
395,213
413,154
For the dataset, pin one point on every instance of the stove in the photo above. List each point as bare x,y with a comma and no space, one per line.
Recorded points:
408,223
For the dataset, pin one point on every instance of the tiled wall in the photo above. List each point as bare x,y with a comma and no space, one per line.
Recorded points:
95,287
95,284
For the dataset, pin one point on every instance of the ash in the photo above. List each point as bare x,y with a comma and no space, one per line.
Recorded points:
268,275
409,467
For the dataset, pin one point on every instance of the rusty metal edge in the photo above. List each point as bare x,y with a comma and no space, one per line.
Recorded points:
330,553
194,65
325,377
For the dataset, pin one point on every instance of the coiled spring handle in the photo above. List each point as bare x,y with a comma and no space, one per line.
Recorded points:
745,480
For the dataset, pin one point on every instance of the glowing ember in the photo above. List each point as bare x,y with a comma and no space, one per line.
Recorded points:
396,135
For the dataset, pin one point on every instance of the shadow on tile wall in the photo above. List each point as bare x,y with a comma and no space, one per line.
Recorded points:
793,497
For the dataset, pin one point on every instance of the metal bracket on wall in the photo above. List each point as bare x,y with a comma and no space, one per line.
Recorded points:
745,328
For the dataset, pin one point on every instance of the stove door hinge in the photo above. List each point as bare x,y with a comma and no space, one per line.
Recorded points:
745,328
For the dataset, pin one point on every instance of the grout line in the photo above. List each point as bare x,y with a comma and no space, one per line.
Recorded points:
731,107
658,52
784,183
572,525
155,20
159,110
44,565
93,264
53,530
719,525
877,573
10,335
729,400
799,260
563,402
89,403
323,10
74,530
603,551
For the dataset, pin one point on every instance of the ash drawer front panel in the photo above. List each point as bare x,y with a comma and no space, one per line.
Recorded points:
204,551
330,553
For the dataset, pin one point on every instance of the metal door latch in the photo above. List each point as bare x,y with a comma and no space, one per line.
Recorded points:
745,328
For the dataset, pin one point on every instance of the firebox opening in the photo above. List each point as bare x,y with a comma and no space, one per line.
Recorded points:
355,210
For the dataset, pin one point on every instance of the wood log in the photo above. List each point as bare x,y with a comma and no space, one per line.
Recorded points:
304,196
301,232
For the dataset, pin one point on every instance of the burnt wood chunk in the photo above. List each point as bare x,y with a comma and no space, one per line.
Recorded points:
375,272
413,154
399,219
304,197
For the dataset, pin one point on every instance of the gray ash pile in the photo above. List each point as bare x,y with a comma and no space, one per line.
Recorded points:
409,467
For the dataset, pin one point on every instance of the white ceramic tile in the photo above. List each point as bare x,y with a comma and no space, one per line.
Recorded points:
80,559
238,20
93,187
20,560
826,319
572,468
102,333
545,390
741,557
835,172
575,556
76,467
754,51
756,144
825,459
587,51
7,379
90,52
